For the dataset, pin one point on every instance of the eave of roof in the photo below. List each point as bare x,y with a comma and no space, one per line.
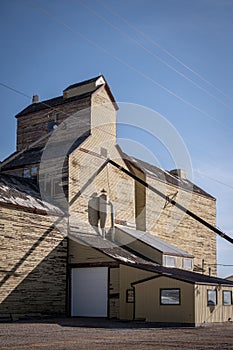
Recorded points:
24,194
85,82
33,155
184,275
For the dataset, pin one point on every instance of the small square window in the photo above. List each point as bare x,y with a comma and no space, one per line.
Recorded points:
34,171
187,264
169,261
170,296
26,173
51,125
227,297
212,297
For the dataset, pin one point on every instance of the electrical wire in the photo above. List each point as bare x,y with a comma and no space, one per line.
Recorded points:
213,179
153,54
155,43
117,58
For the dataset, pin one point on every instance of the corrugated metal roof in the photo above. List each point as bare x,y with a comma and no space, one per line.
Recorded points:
24,193
154,242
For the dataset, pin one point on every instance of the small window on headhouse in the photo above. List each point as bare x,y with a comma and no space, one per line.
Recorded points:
26,173
34,171
51,125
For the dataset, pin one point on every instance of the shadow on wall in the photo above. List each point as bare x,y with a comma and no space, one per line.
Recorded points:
43,291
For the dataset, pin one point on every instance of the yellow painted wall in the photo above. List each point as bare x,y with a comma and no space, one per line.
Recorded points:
147,305
127,276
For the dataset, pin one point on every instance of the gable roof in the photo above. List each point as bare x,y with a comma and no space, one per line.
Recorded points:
85,82
53,102
154,172
154,242
60,100
23,193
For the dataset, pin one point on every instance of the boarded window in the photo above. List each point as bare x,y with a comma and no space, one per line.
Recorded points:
227,297
170,296
211,297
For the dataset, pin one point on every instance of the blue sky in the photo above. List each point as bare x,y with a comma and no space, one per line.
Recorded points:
172,56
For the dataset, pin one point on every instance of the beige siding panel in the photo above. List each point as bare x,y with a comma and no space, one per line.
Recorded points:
208,314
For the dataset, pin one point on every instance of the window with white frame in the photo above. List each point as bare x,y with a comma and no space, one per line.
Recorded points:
212,297
187,264
169,261
170,296
227,297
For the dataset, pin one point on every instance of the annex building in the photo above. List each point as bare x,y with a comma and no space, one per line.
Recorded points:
82,233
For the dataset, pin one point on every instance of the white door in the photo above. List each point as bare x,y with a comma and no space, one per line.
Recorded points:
89,292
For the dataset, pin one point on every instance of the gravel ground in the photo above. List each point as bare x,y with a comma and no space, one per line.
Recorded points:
72,334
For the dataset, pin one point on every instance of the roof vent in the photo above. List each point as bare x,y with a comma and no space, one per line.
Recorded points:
35,99
179,173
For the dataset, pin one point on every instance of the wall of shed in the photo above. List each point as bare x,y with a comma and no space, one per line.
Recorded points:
129,275
147,302
33,258
207,314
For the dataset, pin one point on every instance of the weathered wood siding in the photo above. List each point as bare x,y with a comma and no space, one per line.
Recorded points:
33,264
33,126
179,229
207,313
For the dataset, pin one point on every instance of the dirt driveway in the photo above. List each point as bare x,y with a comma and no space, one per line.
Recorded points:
72,334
